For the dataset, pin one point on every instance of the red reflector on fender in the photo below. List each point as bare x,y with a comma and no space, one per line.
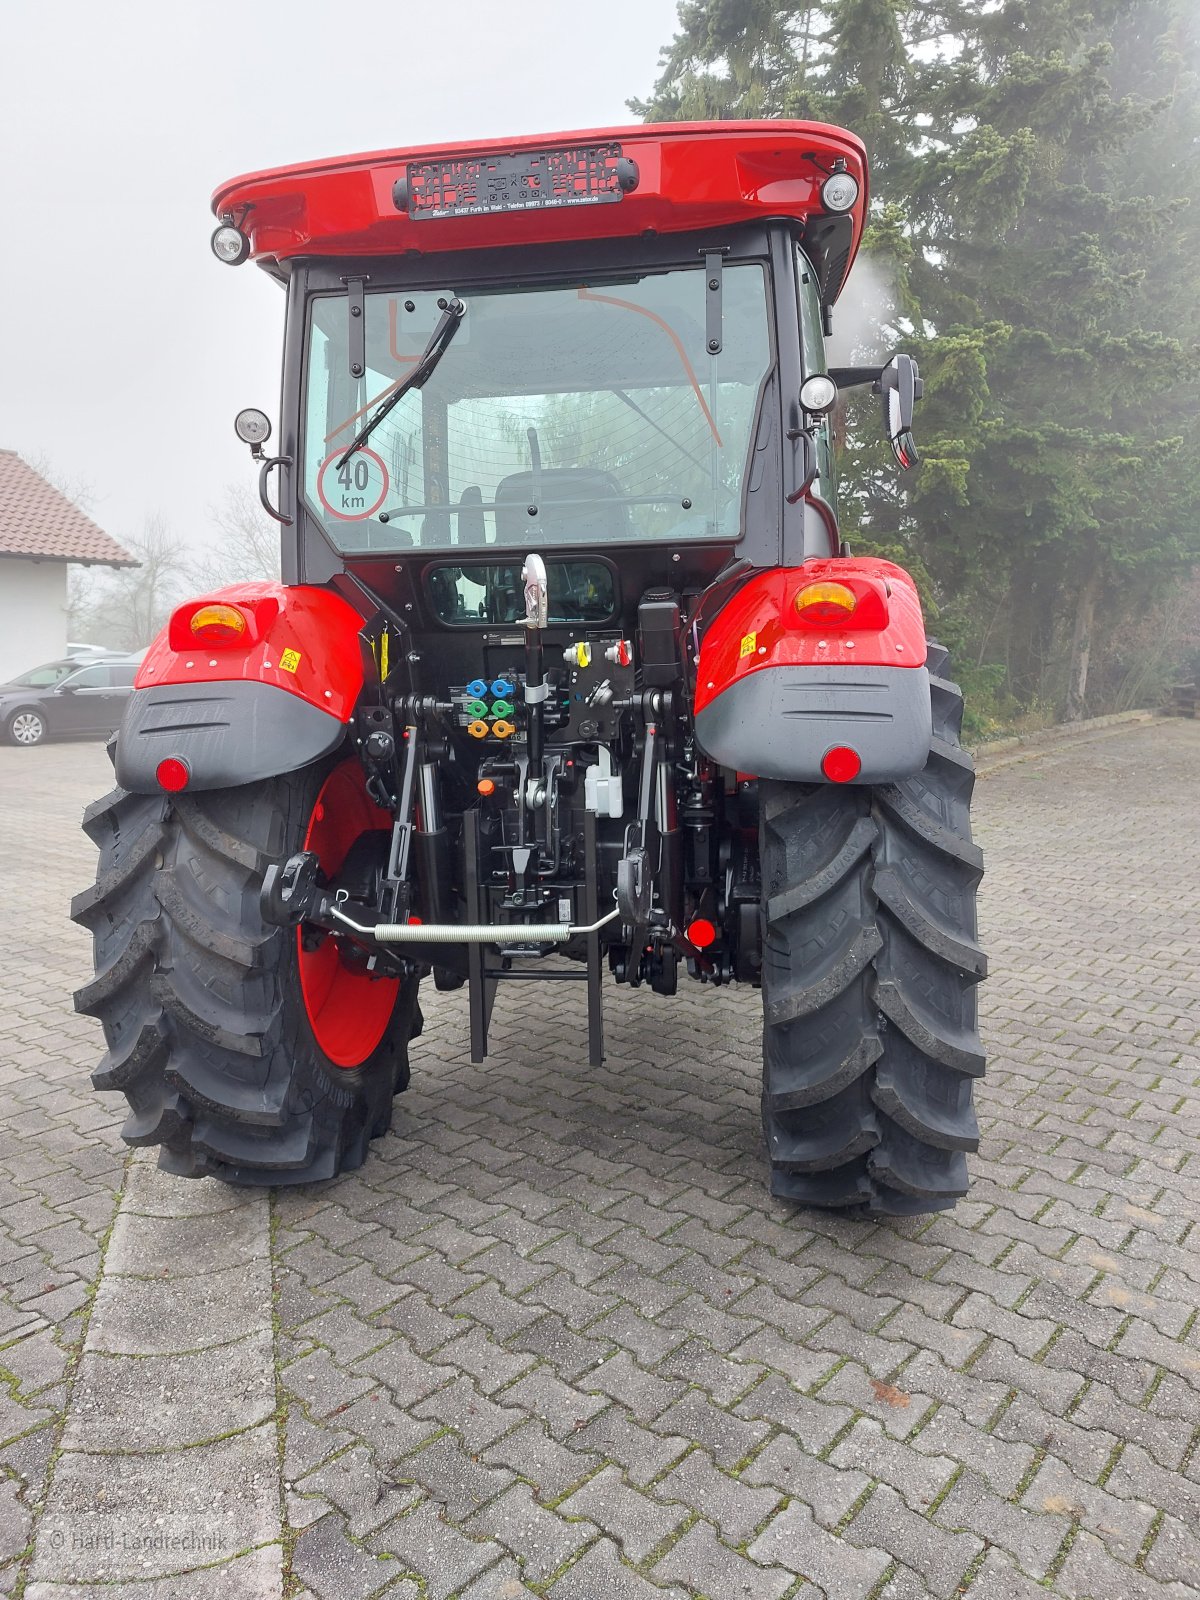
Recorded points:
841,764
173,774
701,933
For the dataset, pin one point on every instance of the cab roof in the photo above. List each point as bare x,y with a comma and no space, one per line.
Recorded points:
652,178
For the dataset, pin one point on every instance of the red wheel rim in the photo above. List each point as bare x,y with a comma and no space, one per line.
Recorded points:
348,1009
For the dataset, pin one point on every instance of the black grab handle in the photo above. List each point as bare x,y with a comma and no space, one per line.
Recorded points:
263,474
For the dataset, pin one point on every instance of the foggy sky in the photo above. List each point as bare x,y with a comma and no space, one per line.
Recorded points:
125,346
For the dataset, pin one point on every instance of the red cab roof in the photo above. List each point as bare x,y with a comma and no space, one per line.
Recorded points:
689,175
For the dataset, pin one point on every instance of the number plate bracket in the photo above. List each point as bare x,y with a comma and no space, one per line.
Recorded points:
530,180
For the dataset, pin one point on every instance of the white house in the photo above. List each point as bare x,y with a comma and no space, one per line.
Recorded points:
41,533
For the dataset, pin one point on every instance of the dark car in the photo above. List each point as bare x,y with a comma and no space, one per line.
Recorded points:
67,699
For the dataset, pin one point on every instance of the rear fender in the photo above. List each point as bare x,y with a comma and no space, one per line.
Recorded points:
775,693
273,702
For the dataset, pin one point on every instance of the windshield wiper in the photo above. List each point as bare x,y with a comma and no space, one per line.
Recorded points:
439,341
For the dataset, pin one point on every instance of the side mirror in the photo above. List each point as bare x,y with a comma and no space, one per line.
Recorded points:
901,387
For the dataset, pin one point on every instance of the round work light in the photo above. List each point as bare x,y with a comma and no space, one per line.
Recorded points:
839,192
818,394
253,427
230,245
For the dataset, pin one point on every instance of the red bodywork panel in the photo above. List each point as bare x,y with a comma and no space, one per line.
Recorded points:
691,175
760,626
299,639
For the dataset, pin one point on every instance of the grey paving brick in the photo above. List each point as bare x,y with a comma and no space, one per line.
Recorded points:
542,1540
1091,1572
1032,1537
1175,1553
647,1341
479,1420
501,1582
796,1543
441,1557
915,1475
563,1409
322,1385
816,1423
543,1462
768,1347
734,1507
639,1523
829,1491
703,1565
422,1324
1004,1465
614,1435
1137,1476
489,1363
336,1568
999,1578
727,1438
600,1574
1122,1523
939,1555
363,1493
455,1479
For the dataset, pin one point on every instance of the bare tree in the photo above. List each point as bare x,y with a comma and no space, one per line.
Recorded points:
127,607
247,546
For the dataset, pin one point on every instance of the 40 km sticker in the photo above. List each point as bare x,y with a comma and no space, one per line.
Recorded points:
355,489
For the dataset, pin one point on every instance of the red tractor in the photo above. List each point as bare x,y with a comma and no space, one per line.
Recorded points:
570,670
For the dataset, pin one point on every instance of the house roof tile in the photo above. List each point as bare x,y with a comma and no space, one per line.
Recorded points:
40,523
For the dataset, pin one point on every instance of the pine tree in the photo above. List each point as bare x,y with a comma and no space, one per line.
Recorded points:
1031,167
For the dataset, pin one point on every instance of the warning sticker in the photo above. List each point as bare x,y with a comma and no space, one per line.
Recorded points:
749,644
289,660
356,488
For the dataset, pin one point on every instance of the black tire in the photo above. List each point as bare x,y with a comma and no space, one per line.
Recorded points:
207,1032
26,727
870,967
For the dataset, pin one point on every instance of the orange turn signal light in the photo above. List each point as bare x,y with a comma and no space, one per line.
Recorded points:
825,602
218,624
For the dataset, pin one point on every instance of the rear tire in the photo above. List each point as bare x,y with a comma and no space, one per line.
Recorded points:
870,966
208,1031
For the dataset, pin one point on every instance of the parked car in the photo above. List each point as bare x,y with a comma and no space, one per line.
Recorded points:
67,699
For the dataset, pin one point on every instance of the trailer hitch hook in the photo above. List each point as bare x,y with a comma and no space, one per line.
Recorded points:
289,890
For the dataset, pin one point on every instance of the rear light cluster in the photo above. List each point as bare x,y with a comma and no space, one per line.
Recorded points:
825,602
858,603
217,625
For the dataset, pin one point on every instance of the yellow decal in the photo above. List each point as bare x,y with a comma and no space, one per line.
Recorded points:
383,656
749,644
289,660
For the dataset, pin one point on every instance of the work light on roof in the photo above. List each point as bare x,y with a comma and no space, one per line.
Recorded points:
230,245
839,191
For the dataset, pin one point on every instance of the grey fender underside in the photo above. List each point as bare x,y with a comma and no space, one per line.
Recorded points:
779,722
228,733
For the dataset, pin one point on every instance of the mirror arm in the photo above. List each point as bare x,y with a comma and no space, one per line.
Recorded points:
854,377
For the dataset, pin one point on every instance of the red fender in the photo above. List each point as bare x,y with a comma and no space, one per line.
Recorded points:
268,696
301,639
776,692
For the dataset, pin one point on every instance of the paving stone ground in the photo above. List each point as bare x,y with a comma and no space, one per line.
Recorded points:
555,1339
